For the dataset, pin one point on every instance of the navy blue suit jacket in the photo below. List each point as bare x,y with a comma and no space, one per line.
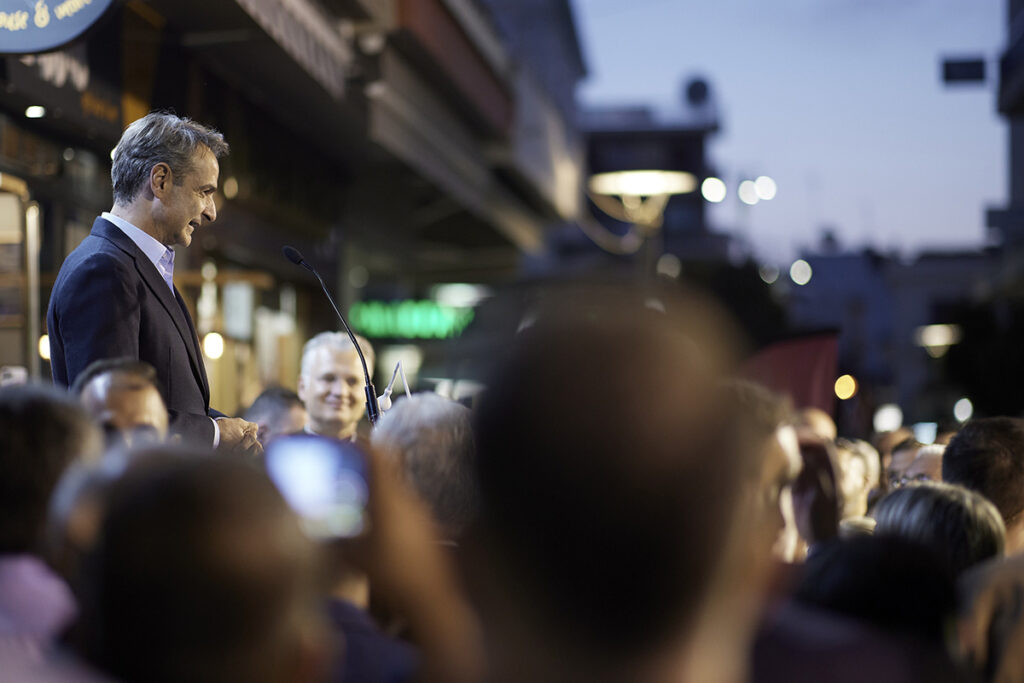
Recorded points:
110,301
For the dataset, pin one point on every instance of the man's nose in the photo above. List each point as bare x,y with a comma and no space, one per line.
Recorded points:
210,210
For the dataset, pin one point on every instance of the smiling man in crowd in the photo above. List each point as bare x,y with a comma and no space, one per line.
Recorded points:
331,384
114,295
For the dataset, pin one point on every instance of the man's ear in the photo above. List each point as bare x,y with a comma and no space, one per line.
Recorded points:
300,388
160,179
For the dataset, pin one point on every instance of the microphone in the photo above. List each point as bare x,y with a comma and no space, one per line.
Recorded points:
384,400
372,407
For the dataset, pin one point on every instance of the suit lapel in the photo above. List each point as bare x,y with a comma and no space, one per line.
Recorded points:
172,303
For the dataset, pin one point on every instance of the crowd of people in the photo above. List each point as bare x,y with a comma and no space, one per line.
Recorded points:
618,504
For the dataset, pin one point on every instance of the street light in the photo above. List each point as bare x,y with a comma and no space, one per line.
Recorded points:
636,197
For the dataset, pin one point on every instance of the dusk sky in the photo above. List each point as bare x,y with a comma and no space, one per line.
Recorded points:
840,101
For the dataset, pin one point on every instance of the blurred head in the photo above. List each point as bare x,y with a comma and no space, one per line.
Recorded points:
987,456
433,436
331,383
859,467
958,524
902,455
121,394
927,466
43,431
76,509
817,496
892,583
884,442
199,573
766,421
277,411
608,474
819,422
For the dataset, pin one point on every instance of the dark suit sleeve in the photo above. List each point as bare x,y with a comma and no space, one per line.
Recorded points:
195,430
99,314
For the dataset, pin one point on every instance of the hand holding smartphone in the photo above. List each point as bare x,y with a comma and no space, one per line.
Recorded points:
326,481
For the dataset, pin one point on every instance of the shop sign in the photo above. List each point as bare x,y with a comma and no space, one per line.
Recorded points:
409,319
32,26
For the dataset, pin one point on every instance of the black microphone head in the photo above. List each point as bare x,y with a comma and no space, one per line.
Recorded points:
292,254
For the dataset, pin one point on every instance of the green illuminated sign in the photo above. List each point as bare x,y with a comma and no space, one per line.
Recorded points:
409,319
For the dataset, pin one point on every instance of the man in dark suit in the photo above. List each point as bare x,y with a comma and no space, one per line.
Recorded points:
114,295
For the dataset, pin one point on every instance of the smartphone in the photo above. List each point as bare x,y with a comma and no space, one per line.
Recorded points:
324,480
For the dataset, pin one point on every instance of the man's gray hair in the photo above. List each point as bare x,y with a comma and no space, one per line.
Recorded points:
340,342
433,436
159,137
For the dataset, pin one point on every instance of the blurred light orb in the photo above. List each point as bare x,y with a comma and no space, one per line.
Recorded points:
800,272
846,387
35,111
231,187
748,192
713,189
213,345
44,347
669,265
769,274
963,409
765,188
887,418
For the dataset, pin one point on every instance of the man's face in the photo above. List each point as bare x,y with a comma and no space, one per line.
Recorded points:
132,413
185,203
333,391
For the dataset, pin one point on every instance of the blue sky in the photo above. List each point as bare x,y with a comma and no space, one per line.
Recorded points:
839,100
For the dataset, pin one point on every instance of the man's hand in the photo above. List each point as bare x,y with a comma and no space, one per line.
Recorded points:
239,435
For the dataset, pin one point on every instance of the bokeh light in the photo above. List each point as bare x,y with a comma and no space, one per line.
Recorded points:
887,418
748,192
769,274
846,387
766,188
800,272
213,345
963,409
713,189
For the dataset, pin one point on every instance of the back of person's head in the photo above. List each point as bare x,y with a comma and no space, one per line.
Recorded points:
42,430
959,524
607,469
892,583
987,456
433,436
199,573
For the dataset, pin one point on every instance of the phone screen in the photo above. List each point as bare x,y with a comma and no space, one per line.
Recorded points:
324,480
